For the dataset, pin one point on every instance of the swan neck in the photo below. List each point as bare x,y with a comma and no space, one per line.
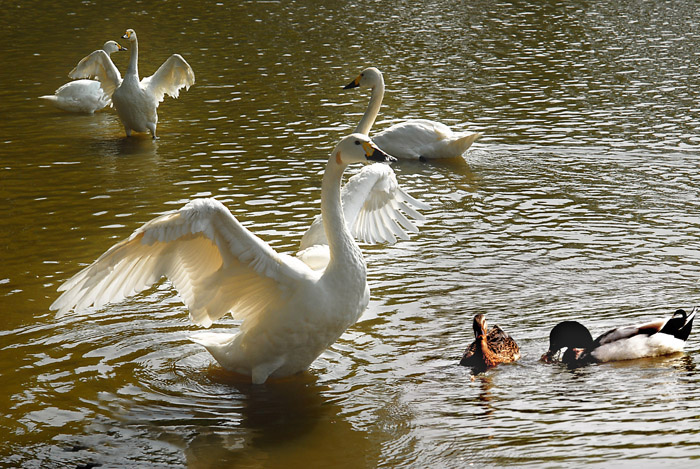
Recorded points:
133,68
370,115
340,241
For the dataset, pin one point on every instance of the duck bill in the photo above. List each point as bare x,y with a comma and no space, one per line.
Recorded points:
373,153
548,357
353,84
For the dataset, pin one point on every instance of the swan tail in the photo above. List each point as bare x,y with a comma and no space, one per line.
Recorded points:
211,339
216,343
462,144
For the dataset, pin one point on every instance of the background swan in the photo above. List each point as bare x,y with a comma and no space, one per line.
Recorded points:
136,101
291,313
84,95
376,210
411,139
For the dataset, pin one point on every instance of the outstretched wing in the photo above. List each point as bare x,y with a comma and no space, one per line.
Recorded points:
376,209
213,261
174,74
98,65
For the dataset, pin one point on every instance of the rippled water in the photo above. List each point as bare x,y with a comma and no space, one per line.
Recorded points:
580,201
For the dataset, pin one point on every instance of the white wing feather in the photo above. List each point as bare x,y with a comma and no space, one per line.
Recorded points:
98,65
214,262
173,75
374,207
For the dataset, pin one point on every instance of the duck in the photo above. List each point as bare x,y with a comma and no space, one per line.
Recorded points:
376,210
414,139
136,101
490,348
290,312
84,95
652,339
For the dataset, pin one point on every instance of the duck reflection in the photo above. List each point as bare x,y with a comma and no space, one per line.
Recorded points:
485,397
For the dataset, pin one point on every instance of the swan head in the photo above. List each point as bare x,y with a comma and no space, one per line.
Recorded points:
112,46
130,35
369,78
358,148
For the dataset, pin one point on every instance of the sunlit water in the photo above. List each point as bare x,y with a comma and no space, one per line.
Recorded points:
581,201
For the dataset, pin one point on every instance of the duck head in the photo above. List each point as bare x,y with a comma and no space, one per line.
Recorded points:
358,148
369,78
479,326
571,335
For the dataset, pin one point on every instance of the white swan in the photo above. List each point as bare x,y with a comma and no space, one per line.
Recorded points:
291,313
411,139
84,95
375,210
136,101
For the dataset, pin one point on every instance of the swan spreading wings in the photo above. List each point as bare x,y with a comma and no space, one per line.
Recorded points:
412,139
136,101
84,95
376,210
290,312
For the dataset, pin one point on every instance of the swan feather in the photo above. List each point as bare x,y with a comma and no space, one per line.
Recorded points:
370,195
99,66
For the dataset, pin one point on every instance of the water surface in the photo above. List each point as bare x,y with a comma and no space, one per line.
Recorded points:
580,202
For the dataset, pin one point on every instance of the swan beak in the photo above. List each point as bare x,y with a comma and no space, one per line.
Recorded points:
373,153
121,48
353,84
126,35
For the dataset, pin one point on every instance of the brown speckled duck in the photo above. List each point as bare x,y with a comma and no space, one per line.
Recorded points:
490,348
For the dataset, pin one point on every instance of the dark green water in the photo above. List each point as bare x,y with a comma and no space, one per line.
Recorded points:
581,201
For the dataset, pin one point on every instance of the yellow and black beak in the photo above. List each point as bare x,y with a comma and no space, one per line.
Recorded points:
126,35
121,48
373,153
353,84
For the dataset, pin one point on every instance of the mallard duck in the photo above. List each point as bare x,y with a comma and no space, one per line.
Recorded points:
413,139
291,313
490,348
652,339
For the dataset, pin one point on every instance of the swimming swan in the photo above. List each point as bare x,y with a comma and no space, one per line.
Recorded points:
412,139
84,95
291,313
376,210
136,102
653,339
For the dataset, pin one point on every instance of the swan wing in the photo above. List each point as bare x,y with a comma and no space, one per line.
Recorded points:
214,262
98,65
375,208
174,74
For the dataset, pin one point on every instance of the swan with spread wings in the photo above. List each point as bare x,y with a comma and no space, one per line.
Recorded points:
136,101
290,311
